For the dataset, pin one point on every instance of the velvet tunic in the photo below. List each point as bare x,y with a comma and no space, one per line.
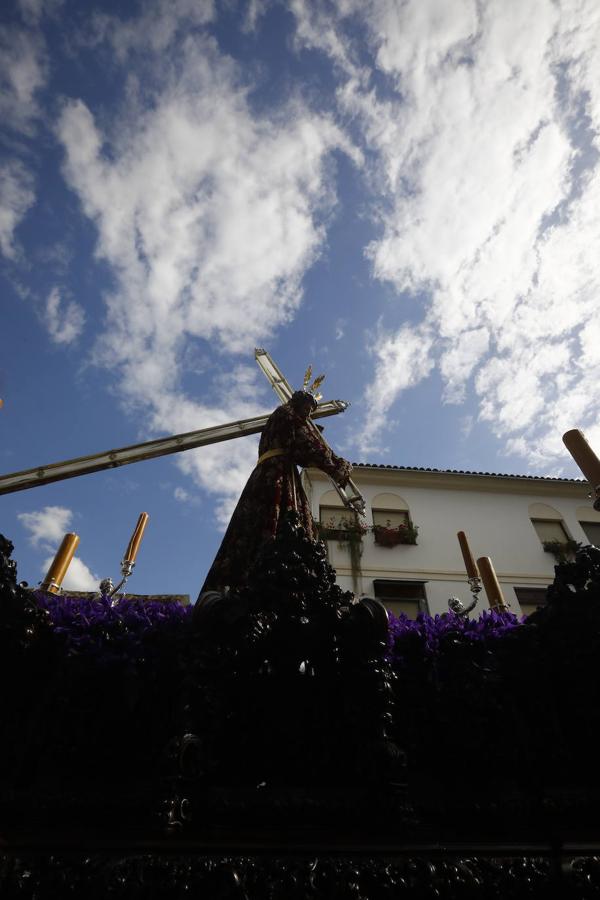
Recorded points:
273,488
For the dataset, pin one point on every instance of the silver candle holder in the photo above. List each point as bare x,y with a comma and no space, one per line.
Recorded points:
457,606
128,561
107,589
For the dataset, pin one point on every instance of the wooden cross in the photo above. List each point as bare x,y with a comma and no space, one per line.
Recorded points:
112,459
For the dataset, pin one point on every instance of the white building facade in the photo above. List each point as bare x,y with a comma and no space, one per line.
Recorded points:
506,517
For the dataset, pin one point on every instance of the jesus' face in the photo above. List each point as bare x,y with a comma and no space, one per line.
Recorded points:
305,408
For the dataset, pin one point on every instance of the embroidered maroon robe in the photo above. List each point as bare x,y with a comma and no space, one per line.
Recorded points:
273,488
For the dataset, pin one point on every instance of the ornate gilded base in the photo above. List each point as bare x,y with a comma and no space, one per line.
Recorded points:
311,877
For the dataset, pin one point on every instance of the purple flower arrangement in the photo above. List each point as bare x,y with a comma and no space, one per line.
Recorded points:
126,629
431,632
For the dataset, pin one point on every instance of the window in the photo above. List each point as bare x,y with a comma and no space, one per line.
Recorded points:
406,597
530,598
392,523
589,522
337,522
335,516
332,512
390,518
550,530
592,532
390,507
548,524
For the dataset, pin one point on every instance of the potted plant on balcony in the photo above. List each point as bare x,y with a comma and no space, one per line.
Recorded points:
389,535
350,530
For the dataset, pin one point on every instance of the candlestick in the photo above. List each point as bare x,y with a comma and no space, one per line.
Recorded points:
586,459
491,584
467,556
136,539
60,564
128,561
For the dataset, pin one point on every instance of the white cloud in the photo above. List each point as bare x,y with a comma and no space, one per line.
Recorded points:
486,156
221,469
33,11
64,321
78,578
23,71
226,229
466,427
459,360
181,494
340,328
318,27
155,28
401,361
47,525
209,216
255,10
16,197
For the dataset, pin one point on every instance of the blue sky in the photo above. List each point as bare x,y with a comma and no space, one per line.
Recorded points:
404,194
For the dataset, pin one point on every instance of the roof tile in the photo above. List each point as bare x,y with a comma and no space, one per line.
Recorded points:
468,472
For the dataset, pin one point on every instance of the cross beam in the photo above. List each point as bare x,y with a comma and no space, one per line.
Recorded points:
112,459
123,456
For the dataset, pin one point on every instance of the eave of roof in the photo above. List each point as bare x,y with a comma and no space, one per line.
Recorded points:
377,466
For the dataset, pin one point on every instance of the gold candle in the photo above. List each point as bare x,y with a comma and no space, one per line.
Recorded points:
60,564
136,538
583,455
468,557
491,584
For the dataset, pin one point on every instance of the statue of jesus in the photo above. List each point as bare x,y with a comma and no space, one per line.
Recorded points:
288,440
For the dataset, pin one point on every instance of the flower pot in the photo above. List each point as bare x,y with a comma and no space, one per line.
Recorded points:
392,537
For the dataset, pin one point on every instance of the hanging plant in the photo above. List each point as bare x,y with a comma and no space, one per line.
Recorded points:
390,536
348,533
